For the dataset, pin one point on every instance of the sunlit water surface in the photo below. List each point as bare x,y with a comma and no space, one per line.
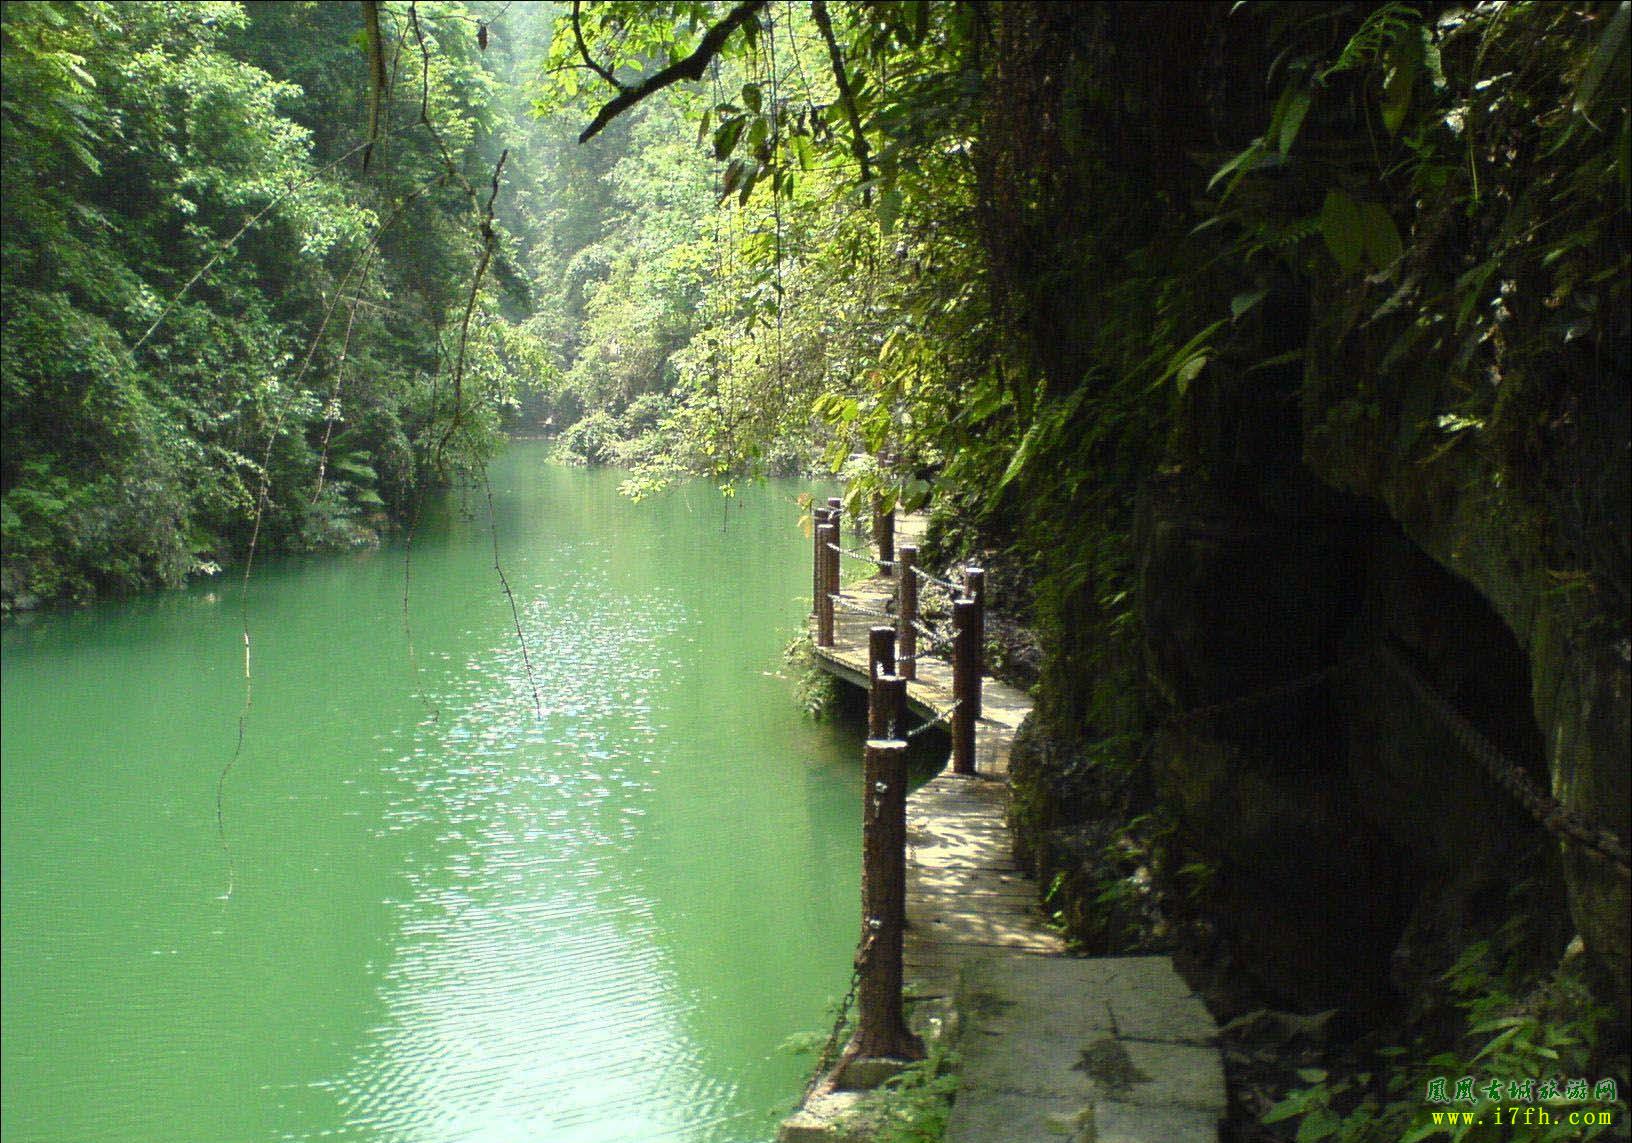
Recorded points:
450,917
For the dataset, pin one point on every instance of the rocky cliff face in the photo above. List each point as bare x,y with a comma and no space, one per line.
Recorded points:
1375,683
1409,724
1507,530
1378,677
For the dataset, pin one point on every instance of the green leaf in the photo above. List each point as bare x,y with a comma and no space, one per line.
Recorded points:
1471,285
1188,360
1241,303
1041,435
1382,238
733,177
1404,62
751,97
1296,1103
984,401
726,136
889,209
1344,228
1610,46
1498,1043
354,468
1279,359
1292,119
1318,1124
1188,372
1242,162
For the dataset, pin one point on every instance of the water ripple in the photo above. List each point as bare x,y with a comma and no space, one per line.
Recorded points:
527,997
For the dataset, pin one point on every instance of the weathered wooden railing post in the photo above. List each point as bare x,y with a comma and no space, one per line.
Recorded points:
828,582
881,1025
968,634
886,691
906,613
818,517
880,652
884,534
834,564
974,586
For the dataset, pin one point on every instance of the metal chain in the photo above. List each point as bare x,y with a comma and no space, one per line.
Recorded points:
935,638
1279,690
865,555
830,1050
940,717
925,576
849,604
1554,817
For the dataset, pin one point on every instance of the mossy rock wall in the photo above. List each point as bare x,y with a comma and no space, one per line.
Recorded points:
1475,517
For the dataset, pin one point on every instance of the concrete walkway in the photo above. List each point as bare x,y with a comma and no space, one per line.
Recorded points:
1105,1050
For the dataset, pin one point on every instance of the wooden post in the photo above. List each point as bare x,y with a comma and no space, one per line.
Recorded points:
974,585
835,507
965,683
826,586
884,535
906,613
886,692
831,554
818,516
880,652
881,1024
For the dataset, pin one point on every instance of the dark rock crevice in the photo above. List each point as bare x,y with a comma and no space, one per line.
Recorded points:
1357,848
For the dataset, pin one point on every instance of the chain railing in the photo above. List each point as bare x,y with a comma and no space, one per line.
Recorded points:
864,555
965,642
857,608
875,988
1553,816
940,717
954,588
829,1055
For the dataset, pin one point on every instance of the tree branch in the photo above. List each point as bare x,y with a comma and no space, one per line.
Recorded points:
583,51
376,74
689,68
847,96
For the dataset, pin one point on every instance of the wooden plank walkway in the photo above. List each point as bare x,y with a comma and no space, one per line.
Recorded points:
982,960
966,896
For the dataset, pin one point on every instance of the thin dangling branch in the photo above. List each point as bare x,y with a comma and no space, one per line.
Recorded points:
583,51
847,96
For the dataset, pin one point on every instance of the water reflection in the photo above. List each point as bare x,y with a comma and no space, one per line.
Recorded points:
597,924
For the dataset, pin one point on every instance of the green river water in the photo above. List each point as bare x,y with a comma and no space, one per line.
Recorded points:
450,918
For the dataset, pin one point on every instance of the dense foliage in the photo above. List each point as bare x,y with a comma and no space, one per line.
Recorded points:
217,322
